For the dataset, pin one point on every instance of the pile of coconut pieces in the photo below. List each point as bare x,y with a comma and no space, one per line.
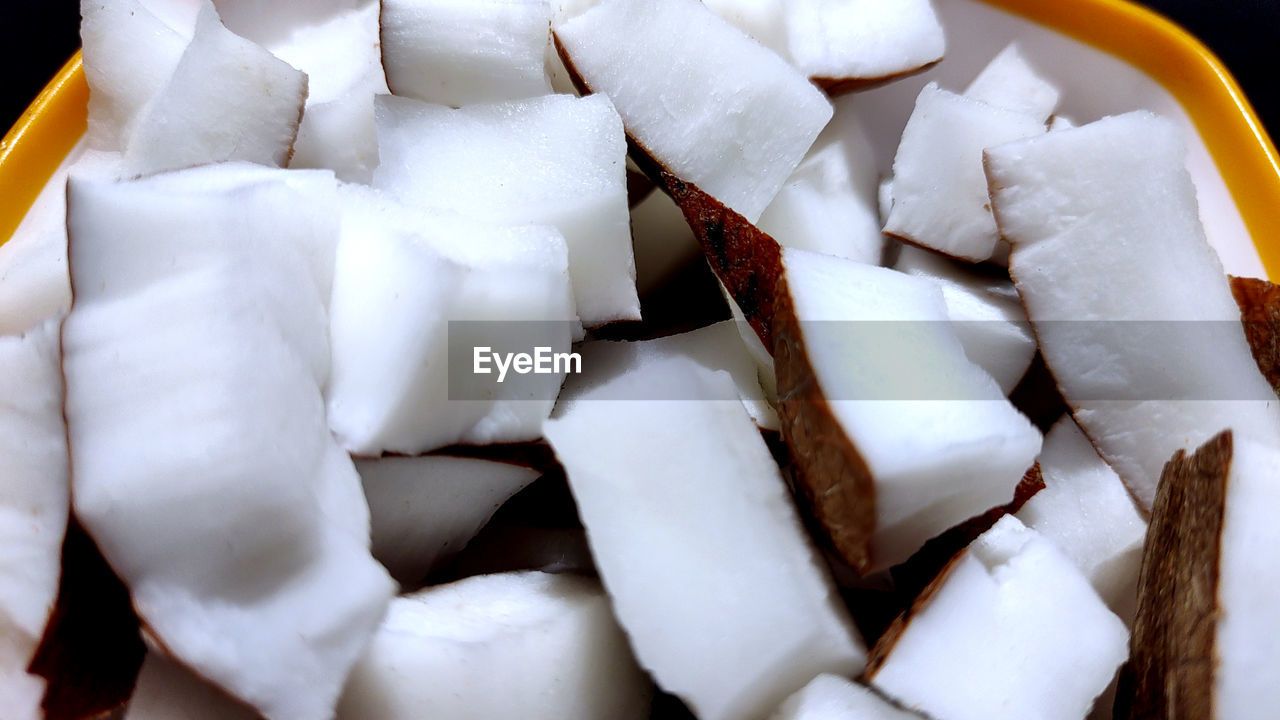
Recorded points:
229,326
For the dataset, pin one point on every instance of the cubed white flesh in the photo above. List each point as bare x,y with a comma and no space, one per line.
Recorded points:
34,502
661,240
862,39
763,20
1085,510
714,347
462,52
194,357
167,691
402,276
985,311
525,645
338,50
1247,644
1010,82
941,441
939,192
724,113
341,136
423,510
828,204
1105,229
555,160
227,99
698,543
129,55
1015,631
830,697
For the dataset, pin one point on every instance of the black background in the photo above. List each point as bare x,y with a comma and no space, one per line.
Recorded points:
37,36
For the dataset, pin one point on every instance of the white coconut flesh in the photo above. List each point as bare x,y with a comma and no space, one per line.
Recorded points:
1010,82
725,601
867,40
1109,253
830,697
194,357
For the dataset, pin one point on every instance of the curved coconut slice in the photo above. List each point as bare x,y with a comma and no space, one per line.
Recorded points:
697,541
694,111
555,160
194,356
830,697
1010,82
417,293
34,503
939,192
1203,643
425,509
1109,252
985,311
227,99
1085,510
129,54
1011,629
855,44
1259,303
518,646
866,359
462,52
168,691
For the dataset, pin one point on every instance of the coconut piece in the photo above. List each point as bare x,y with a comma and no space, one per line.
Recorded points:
1259,303
985,312
829,697
461,52
194,357
519,645
939,192
866,359
34,504
694,111
1010,82
423,510
854,44
1109,252
662,241
168,691
227,99
699,545
554,160
1203,643
1085,510
129,54
403,276
1010,629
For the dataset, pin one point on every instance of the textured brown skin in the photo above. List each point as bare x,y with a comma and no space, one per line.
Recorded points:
833,478
1259,303
835,87
1171,652
746,260
91,651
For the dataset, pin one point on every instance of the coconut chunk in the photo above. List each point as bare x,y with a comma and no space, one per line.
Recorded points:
461,52
1109,252
724,113
34,503
985,311
518,646
415,295
1259,302
830,697
1011,629
1010,82
424,510
227,99
194,356
849,44
867,359
1085,510
939,192
554,160
699,545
